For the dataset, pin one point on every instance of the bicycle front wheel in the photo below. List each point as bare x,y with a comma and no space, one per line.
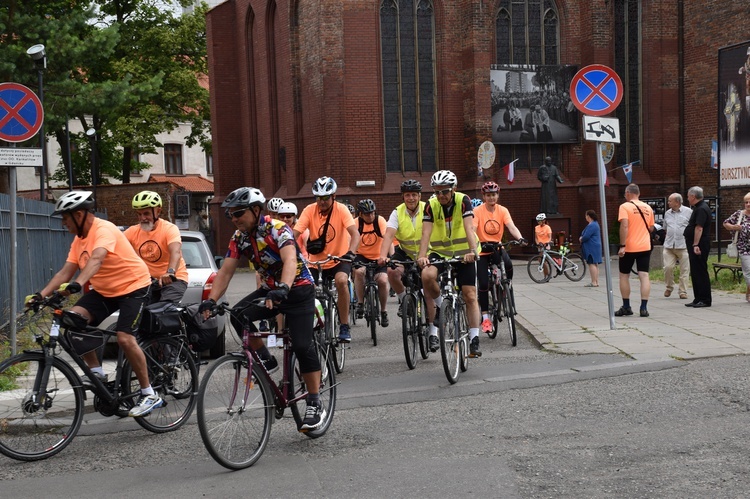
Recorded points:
409,325
337,349
235,428
574,267
373,309
539,269
173,376
508,312
327,394
423,329
493,309
36,426
463,335
449,341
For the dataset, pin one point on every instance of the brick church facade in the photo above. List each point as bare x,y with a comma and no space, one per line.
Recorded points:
378,91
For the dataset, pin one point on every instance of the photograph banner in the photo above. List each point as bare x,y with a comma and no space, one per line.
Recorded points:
734,115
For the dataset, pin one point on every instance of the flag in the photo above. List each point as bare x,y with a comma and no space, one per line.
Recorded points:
628,171
604,175
510,170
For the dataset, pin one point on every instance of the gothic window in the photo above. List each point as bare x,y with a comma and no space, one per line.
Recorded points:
627,65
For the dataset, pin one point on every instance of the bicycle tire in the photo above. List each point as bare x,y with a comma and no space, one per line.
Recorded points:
324,351
29,433
374,309
493,309
574,267
327,397
338,350
352,305
449,348
463,335
423,333
234,435
174,377
508,312
409,325
536,269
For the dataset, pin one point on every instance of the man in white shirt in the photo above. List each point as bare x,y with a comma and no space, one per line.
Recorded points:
675,248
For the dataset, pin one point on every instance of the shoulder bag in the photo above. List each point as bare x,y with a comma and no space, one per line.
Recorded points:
732,251
316,246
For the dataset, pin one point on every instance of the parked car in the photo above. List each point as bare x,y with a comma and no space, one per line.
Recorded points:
202,267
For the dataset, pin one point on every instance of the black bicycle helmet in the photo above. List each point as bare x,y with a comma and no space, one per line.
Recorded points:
244,197
366,206
411,186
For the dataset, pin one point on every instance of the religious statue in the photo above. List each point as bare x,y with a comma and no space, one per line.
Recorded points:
549,176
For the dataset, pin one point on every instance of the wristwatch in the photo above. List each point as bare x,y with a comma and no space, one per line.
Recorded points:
170,271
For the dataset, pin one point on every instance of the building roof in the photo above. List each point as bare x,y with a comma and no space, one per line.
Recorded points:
191,182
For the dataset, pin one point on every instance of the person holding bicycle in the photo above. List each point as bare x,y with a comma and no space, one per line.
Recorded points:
326,216
448,232
103,256
371,228
158,243
490,221
288,288
542,232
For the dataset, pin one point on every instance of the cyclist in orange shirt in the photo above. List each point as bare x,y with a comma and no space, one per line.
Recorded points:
120,281
542,232
371,228
158,243
325,211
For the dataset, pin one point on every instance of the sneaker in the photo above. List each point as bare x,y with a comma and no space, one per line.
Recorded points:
487,326
88,384
644,312
436,321
344,335
399,312
384,318
624,311
263,326
434,344
271,365
314,416
474,348
145,405
360,310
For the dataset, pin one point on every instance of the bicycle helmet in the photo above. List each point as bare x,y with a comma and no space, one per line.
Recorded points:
541,217
74,200
324,186
286,208
444,177
411,186
146,199
350,208
366,206
490,187
475,202
244,196
274,204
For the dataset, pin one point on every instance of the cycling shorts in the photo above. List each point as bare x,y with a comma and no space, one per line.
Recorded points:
130,307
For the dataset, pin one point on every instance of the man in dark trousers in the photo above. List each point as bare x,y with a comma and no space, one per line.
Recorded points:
697,238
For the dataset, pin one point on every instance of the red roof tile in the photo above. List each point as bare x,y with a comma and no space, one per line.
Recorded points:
191,182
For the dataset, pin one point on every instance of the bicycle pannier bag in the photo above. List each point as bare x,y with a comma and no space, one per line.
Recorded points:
201,333
162,317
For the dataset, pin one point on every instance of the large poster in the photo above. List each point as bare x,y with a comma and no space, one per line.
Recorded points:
734,115
531,104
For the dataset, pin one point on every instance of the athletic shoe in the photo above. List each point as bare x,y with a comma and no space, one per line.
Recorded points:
384,318
88,384
271,365
434,344
474,348
314,416
624,311
263,326
360,310
145,405
487,326
344,334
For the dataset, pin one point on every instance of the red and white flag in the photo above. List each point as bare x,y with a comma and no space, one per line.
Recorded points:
510,170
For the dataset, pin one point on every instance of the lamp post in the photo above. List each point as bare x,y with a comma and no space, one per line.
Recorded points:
91,134
39,56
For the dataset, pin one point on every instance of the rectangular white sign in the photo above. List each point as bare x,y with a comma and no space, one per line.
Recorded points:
601,129
20,156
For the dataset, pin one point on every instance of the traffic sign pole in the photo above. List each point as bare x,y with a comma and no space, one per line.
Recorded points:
605,235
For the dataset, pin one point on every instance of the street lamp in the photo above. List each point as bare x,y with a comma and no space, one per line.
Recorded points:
39,56
91,134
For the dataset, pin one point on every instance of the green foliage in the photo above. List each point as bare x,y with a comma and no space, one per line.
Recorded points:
724,282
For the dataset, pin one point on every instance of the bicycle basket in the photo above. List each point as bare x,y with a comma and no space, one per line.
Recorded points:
201,333
162,317
83,343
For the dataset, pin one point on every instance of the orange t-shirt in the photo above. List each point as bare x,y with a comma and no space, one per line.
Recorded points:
337,237
152,247
543,234
122,271
639,236
369,242
491,225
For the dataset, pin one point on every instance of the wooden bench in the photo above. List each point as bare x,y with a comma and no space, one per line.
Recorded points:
735,268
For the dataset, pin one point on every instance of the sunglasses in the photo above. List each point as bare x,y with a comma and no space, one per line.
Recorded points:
324,198
444,192
286,215
235,214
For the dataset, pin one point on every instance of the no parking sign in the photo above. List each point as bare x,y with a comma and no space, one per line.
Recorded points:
21,113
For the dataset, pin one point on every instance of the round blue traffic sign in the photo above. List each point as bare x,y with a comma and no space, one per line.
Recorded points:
596,90
21,113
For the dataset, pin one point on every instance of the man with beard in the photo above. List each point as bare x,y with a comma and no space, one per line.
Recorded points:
159,244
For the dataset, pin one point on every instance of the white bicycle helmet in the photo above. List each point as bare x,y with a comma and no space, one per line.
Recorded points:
244,196
274,204
541,217
444,177
74,200
324,186
286,208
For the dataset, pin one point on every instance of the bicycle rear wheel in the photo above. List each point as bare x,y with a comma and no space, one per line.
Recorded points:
327,396
409,325
423,331
507,311
37,427
539,269
173,376
372,309
494,308
235,429
574,267
449,341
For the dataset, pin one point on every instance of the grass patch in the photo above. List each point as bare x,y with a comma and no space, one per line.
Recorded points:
725,282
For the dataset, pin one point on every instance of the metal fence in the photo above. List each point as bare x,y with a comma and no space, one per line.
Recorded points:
42,247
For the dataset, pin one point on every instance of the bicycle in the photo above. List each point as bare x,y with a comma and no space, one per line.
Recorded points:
325,292
414,326
453,327
352,304
42,406
371,299
501,298
238,399
549,264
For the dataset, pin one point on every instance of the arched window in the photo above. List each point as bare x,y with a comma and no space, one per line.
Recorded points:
407,39
628,65
527,32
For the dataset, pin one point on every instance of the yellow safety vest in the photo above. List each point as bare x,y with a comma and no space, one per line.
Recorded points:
409,235
456,243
